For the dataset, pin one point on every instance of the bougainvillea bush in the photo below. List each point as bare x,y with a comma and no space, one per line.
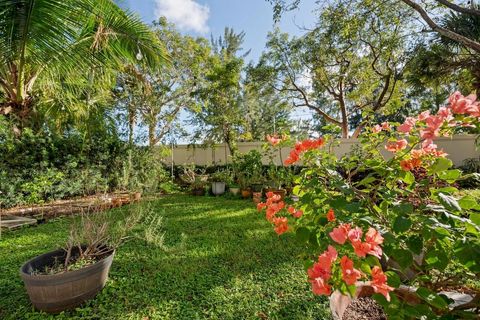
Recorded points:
393,221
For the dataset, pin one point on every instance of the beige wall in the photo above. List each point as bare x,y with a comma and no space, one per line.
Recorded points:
459,147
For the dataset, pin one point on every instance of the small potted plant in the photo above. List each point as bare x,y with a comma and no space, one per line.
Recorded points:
66,278
277,176
198,187
234,189
219,181
244,183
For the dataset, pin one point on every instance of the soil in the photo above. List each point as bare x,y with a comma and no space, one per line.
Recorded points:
364,308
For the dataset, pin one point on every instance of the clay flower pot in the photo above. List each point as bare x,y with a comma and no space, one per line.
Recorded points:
246,193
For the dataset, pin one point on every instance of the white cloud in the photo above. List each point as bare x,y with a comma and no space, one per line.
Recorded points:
188,15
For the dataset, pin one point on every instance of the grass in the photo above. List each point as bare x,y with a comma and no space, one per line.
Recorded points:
223,262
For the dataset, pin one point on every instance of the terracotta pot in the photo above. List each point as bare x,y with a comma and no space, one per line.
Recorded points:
257,197
246,193
58,292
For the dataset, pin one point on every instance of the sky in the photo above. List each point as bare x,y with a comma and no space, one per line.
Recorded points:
210,17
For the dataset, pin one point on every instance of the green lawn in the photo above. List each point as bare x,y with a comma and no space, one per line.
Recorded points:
229,265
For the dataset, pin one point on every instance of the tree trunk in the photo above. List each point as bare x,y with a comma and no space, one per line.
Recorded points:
152,139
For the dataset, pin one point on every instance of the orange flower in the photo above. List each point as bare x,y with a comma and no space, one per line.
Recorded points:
395,146
274,140
379,282
349,274
339,235
331,215
410,164
281,225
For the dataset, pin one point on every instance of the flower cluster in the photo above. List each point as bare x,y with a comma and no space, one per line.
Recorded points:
275,140
431,126
302,146
321,271
273,206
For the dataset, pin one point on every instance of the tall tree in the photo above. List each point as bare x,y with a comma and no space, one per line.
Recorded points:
54,43
158,96
349,65
220,118
265,109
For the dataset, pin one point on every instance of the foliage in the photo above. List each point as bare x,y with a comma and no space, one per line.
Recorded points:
220,118
419,232
247,167
154,98
224,175
323,71
39,167
54,52
221,263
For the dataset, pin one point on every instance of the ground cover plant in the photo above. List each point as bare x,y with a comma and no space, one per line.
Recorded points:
219,260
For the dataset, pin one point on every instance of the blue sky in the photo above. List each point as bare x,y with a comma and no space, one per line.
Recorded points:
206,17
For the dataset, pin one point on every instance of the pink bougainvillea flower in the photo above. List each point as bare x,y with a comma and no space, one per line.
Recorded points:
281,225
294,212
395,146
373,236
376,128
361,248
320,272
410,164
386,126
331,215
274,140
261,206
463,105
321,287
445,113
340,234
424,115
355,234
379,282
302,146
298,214
349,274
407,126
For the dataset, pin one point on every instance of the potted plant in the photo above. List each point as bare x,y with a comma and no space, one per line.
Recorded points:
66,278
197,187
219,181
244,183
277,175
393,228
234,189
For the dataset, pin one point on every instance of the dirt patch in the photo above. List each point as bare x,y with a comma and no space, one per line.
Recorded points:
364,309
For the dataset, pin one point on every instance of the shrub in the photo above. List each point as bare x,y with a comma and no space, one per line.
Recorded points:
388,220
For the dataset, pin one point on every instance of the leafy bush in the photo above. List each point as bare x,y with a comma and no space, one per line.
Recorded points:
39,167
390,221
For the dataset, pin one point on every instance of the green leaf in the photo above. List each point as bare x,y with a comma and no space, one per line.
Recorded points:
449,202
403,208
467,202
401,224
432,298
393,279
415,243
404,258
475,217
450,175
365,267
408,177
441,164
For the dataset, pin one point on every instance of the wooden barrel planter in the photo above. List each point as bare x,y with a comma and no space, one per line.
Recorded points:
58,292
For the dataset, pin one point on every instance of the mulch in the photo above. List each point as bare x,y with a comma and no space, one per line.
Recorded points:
364,309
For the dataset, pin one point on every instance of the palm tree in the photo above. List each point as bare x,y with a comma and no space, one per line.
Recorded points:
55,48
